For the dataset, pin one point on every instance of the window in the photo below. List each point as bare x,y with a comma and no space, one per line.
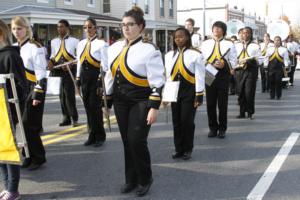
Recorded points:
162,8
146,6
171,8
134,2
42,1
91,3
106,6
68,2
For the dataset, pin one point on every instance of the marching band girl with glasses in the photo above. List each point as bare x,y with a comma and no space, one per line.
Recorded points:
134,81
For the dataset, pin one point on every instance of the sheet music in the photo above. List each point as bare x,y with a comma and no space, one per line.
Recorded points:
210,74
170,91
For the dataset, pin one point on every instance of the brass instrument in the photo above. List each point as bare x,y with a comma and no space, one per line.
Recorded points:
233,27
278,28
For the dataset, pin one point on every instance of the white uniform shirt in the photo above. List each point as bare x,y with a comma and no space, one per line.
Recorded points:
252,50
264,47
208,46
98,51
193,61
196,40
142,58
70,46
282,51
34,58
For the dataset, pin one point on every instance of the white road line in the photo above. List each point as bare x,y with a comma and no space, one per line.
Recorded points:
267,178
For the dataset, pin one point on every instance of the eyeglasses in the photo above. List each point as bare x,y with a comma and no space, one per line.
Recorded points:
88,27
128,25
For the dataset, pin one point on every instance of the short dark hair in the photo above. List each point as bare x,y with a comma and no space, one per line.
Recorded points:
192,21
65,22
137,14
221,25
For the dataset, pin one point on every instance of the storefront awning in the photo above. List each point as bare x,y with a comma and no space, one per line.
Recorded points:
49,15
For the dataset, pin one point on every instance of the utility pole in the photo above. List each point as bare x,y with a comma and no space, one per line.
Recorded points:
203,26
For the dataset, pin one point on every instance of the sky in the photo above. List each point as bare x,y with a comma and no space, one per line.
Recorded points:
275,7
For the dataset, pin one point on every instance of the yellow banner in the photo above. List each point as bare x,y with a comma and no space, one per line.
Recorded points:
8,149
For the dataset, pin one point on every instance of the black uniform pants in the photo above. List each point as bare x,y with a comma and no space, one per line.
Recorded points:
32,121
247,93
183,116
232,85
292,72
264,78
217,95
92,104
275,83
132,122
67,99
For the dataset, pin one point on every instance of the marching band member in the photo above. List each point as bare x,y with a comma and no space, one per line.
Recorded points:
195,37
35,63
91,56
263,71
292,48
248,53
185,64
135,81
63,49
219,53
11,62
277,60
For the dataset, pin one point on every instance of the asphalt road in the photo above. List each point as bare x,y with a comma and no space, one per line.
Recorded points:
220,169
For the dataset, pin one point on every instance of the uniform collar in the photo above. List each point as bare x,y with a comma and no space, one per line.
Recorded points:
93,38
65,37
218,40
23,43
134,41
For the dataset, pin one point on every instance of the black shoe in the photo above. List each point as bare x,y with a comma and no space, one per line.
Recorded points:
221,134
26,163
212,134
98,143
250,116
278,98
241,116
142,190
177,155
128,187
35,166
65,123
75,123
187,155
89,142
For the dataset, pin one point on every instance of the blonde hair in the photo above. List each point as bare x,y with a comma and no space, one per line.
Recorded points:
23,22
4,31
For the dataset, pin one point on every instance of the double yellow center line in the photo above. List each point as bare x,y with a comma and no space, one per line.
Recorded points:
69,133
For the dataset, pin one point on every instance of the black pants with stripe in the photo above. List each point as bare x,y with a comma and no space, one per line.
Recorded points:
217,96
183,116
132,121
32,121
92,103
67,99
